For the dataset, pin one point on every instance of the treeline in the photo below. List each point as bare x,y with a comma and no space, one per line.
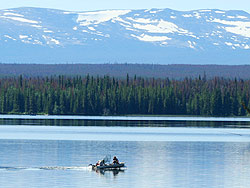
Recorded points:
133,95
178,72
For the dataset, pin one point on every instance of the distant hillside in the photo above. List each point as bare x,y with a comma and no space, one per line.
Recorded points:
121,70
159,36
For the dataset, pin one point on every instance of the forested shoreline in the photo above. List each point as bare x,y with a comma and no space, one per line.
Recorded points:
107,95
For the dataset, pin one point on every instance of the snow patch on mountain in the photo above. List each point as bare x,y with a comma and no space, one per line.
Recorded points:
47,31
246,47
197,15
20,19
88,18
142,20
228,43
204,10
148,38
159,26
121,20
220,12
12,14
237,27
36,26
191,44
9,37
242,17
23,36
50,41
55,41
187,15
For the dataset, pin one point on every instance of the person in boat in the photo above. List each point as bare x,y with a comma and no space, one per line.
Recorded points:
115,160
100,163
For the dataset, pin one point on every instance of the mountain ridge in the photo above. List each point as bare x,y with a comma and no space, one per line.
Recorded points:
164,36
82,11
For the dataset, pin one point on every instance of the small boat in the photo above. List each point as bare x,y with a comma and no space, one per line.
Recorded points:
108,166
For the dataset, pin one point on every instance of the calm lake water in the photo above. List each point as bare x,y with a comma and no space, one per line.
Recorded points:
156,155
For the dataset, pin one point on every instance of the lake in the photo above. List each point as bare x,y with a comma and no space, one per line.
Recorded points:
159,153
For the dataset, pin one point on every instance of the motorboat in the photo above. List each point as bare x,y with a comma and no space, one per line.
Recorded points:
105,164
108,166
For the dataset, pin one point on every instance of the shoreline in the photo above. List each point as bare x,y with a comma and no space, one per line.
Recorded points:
128,118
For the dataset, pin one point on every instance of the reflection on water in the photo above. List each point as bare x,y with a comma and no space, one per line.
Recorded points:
106,172
129,123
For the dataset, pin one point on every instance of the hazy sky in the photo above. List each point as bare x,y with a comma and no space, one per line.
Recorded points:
83,5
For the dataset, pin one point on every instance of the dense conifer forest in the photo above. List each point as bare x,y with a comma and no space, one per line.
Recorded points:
107,95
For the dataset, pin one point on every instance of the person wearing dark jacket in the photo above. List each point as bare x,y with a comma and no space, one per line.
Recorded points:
115,160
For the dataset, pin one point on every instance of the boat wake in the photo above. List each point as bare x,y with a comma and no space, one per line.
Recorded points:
80,168
64,168
11,168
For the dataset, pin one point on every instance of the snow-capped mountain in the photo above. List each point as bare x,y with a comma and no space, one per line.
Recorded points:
37,35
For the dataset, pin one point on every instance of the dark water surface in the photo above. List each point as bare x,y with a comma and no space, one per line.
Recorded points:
53,156
125,121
